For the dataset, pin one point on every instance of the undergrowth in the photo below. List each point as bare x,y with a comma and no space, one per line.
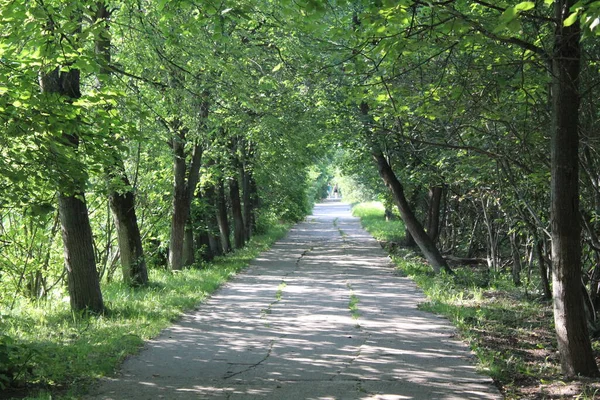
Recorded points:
53,351
510,329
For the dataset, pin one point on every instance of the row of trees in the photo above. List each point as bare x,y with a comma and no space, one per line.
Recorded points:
491,108
147,134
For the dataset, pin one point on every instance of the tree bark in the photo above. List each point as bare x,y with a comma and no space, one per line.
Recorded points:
236,211
426,245
179,203
517,265
546,290
212,225
183,191
133,262
433,214
249,192
247,203
189,249
569,314
222,221
82,277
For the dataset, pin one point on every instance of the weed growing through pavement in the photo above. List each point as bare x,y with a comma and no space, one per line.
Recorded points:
280,288
353,303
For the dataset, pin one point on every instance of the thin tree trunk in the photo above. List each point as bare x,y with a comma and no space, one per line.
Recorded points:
180,202
221,211
249,192
413,225
546,290
214,240
254,204
236,211
426,245
247,203
433,214
409,240
574,344
202,230
517,265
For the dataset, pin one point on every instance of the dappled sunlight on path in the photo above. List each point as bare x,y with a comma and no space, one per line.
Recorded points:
284,329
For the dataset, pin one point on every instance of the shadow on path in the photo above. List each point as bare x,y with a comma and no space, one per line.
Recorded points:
283,329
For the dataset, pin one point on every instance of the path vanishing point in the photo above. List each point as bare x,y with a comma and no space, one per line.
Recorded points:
283,329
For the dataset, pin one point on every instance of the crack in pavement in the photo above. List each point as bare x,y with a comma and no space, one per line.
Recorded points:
250,366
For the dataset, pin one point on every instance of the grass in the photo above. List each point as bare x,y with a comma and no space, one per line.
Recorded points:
67,352
510,329
372,217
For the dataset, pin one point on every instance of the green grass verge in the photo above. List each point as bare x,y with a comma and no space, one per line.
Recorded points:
63,353
372,217
510,329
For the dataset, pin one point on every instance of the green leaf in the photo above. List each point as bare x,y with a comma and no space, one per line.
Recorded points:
277,67
571,19
508,15
525,6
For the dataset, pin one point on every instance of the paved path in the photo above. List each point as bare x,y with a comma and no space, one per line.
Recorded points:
283,330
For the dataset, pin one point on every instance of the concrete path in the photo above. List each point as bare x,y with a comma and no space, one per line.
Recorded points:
283,329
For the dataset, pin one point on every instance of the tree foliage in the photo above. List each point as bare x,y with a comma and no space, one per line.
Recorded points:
189,100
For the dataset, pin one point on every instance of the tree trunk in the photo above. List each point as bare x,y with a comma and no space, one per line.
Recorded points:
569,313
221,208
236,211
409,240
180,203
189,257
254,204
122,201
413,225
82,277
517,265
214,240
133,262
426,245
201,229
247,203
183,191
433,214
546,290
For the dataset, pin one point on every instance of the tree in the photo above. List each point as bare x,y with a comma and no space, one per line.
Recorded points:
569,315
121,195
63,86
